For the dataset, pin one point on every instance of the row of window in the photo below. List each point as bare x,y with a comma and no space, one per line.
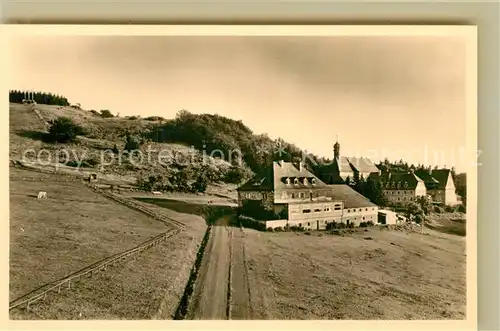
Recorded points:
318,210
300,195
394,184
326,222
400,192
305,181
358,209
404,199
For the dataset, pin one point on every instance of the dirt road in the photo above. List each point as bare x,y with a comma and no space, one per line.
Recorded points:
222,287
210,297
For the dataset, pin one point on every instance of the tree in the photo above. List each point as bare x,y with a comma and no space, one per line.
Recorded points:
131,143
106,113
348,181
373,191
413,209
424,203
63,130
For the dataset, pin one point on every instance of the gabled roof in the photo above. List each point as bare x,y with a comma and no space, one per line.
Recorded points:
399,181
275,177
435,178
441,175
361,164
351,198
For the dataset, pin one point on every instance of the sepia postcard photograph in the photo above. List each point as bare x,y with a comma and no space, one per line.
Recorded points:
241,173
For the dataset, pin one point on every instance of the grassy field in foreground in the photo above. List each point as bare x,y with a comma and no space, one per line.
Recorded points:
392,275
75,227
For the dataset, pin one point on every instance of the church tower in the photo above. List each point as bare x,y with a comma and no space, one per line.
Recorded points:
336,149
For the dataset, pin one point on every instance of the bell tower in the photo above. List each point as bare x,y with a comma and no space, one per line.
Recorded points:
336,149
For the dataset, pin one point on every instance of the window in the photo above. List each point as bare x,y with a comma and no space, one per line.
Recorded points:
264,196
404,198
393,185
337,207
398,198
327,208
360,209
348,210
313,181
296,181
284,195
317,210
363,218
406,184
302,195
293,195
308,224
366,209
387,185
288,181
306,211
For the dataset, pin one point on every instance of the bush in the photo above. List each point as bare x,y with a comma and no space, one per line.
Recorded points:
363,225
461,209
131,143
438,210
63,130
370,223
106,113
419,218
270,229
154,118
278,229
132,118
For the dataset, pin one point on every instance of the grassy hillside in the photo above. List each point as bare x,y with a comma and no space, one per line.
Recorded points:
167,166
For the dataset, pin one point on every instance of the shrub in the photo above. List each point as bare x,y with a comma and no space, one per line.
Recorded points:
278,229
154,118
461,209
449,209
132,118
63,130
270,229
363,225
370,223
106,113
438,210
350,226
419,218
131,143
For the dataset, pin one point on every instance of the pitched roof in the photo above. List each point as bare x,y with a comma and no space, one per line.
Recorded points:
435,178
399,181
351,198
441,175
275,177
361,164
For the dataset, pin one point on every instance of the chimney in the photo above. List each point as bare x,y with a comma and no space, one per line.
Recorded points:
301,166
389,175
430,171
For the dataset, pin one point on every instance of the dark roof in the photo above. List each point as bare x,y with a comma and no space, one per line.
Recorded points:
399,180
275,177
351,198
435,178
441,175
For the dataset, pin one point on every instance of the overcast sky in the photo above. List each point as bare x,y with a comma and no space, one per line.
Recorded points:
383,96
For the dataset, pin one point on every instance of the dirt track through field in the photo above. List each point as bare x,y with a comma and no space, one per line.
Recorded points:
210,297
222,288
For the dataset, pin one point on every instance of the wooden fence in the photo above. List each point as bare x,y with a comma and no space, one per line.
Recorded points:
140,208
41,292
